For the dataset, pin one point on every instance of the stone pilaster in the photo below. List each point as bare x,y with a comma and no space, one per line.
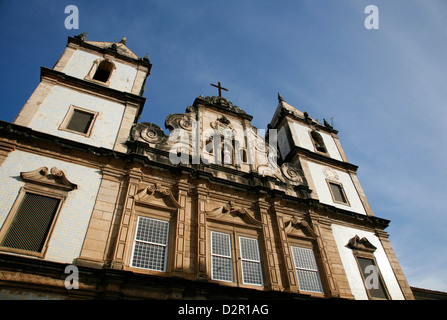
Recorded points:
401,279
273,272
334,272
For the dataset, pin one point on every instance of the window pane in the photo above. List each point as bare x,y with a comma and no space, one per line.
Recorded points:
373,281
32,222
306,269
80,121
222,268
338,192
222,263
251,263
221,244
151,240
149,256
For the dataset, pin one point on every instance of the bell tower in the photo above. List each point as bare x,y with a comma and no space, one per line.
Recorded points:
316,148
92,95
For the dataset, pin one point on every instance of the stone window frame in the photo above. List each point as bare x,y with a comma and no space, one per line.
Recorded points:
362,248
48,183
65,122
96,63
342,189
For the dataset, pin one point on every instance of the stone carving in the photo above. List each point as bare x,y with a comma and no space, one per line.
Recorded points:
294,223
55,178
362,244
181,120
232,210
149,132
330,173
148,193
293,173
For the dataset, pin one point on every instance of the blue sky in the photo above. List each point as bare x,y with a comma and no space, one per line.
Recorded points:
385,89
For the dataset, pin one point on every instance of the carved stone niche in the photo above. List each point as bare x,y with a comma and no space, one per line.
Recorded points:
362,245
156,196
299,228
234,215
54,178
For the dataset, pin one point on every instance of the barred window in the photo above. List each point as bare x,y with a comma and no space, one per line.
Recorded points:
31,224
151,244
221,261
251,262
306,270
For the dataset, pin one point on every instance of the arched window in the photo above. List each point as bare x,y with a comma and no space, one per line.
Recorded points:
104,71
318,142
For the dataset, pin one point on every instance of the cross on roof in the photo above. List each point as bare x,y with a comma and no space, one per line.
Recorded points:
219,87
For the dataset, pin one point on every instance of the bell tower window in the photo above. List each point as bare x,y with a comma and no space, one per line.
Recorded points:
104,70
318,142
101,71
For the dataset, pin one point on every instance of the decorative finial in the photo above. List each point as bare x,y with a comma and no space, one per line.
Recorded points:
81,36
123,40
280,98
146,57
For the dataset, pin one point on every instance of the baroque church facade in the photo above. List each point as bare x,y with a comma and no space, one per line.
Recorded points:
213,210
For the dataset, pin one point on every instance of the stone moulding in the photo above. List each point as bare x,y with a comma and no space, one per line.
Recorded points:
146,195
54,178
230,209
294,223
362,244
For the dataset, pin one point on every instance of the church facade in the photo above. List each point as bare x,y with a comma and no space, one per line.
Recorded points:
96,205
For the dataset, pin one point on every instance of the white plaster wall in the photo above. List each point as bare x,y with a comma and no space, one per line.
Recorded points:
324,194
302,134
81,63
55,107
342,235
68,235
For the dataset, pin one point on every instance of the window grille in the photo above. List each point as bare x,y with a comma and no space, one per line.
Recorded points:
221,261
151,242
251,262
306,269
32,222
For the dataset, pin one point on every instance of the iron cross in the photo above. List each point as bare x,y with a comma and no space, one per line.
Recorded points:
219,87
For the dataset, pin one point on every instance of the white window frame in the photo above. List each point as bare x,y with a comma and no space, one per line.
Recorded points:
153,243
315,270
251,260
229,257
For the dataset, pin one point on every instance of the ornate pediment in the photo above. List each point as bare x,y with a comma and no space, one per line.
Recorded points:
231,213
299,228
156,196
362,244
53,178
